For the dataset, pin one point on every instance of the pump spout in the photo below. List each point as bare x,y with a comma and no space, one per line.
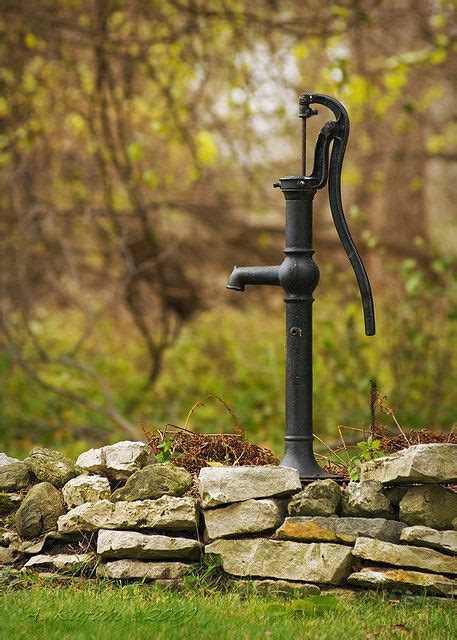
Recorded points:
241,276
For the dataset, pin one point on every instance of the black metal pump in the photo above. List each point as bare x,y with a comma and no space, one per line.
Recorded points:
298,275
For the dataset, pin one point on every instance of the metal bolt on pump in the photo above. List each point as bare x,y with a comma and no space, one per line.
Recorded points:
298,275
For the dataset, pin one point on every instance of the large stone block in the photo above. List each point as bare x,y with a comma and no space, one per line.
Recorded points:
51,466
145,571
139,546
430,506
70,563
249,516
223,485
39,511
14,476
167,513
338,530
427,463
404,556
427,537
404,580
260,557
366,499
154,481
117,461
85,488
319,498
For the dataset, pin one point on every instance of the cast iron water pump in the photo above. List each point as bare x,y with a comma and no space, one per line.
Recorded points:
298,275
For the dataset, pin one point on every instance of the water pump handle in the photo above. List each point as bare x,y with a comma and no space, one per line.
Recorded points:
339,135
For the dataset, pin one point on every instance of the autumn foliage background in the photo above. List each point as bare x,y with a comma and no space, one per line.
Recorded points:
138,146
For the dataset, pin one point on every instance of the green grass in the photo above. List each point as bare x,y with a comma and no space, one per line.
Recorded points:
81,610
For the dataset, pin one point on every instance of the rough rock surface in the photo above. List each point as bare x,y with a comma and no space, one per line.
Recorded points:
319,498
167,513
72,563
223,485
315,562
14,476
366,499
280,588
9,502
249,516
427,537
427,463
404,556
339,530
138,570
8,555
429,505
117,461
39,511
153,481
139,546
85,488
404,580
4,459
51,466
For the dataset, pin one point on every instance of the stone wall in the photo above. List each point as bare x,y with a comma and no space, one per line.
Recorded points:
118,514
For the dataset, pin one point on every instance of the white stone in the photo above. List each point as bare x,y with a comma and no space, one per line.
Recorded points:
5,460
117,461
63,562
223,485
404,580
139,546
427,537
85,488
426,463
249,516
260,557
401,555
167,513
147,571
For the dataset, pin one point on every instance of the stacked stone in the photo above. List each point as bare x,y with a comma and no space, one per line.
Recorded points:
324,534
115,499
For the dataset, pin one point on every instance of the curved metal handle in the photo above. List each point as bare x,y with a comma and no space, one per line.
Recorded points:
340,136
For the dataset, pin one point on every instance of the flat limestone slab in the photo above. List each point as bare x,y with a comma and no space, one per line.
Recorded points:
72,563
259,557
404,556
338,530
116,461
223,485
147,571
404,580
167,513
427,537
421,463
249,516
140,546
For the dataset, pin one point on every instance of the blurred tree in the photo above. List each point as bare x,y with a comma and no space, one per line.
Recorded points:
135,138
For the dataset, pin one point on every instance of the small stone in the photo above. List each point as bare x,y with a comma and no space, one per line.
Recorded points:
223,485
284,588
8,555
154,481
404,556
167,513
315,562
51,466
430,506
320,498
14,476
427,537
366,499
117,461
9,502
39,511
139,546
424,463
74,563
147,571
249,516
85,488
8,538
404,580
5,460
339,530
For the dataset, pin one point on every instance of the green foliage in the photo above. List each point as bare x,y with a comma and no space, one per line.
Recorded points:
369,449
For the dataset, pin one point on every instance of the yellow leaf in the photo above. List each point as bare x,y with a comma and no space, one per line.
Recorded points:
206,148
